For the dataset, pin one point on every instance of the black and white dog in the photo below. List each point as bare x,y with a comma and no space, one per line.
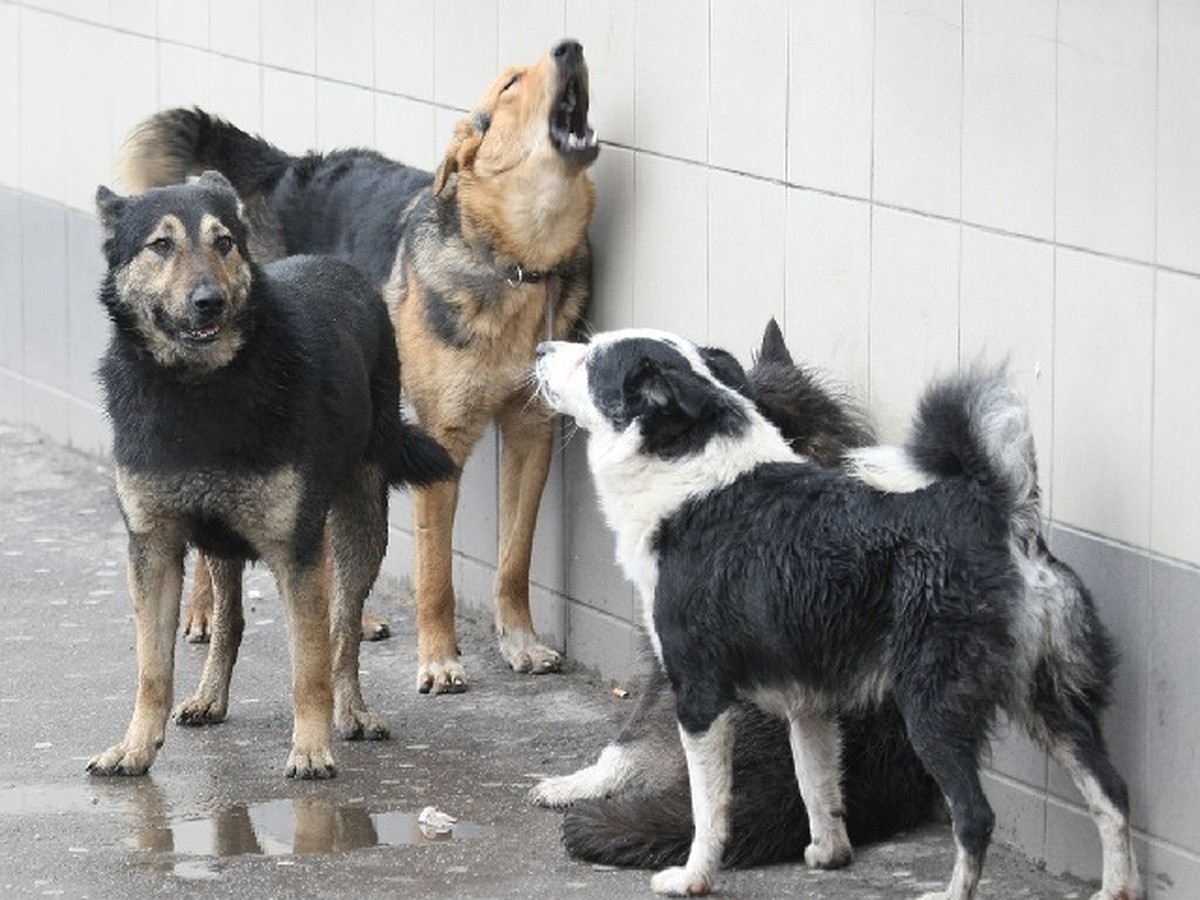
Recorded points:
632,806
919,574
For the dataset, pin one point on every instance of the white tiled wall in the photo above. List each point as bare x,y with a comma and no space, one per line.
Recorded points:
905,185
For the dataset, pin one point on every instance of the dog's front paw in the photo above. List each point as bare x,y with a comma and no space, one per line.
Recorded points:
679,882
828,855
527,655
1133,892
361,725
310,764
122,760
201,710
446,677
556,792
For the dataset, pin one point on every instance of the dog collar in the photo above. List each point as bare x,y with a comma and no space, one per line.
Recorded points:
516,275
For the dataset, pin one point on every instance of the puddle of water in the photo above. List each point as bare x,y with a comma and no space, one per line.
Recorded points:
278,828
295,827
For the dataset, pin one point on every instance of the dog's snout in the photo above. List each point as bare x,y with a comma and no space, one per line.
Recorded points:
207,300
568,53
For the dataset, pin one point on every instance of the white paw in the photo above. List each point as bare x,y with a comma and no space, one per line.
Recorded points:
608,775
679,882
525,654
831,855
443,677
562,790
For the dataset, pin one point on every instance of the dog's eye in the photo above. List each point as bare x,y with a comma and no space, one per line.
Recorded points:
511,82
223,243
161,245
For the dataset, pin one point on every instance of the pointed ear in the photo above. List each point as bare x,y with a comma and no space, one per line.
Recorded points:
773,347
110,206
460,155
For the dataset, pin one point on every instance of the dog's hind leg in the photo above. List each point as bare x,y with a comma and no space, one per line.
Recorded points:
198,610
951,755
710,774
1068,690
155,581
1104,791
358,535
211,700
527,441
1069,728
816,752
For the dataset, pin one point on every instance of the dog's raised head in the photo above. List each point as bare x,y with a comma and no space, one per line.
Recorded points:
521,158
179,274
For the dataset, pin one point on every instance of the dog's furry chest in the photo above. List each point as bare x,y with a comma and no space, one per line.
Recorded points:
212,502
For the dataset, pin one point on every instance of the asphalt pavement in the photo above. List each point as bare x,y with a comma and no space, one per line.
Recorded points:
217,818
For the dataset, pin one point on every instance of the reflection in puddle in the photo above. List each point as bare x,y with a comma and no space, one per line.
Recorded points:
302,825
299,826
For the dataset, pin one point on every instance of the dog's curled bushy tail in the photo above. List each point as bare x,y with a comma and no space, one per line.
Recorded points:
175,143
975,425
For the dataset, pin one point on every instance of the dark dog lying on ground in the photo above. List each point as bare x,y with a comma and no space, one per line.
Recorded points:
256,414
632,807
478,261
918,574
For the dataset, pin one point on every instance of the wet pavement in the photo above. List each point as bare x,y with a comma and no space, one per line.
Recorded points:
217,818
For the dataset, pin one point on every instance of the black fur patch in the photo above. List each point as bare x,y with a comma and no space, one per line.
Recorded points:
679,409
443,318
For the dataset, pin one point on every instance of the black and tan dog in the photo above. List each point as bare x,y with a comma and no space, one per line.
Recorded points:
478,261
256,414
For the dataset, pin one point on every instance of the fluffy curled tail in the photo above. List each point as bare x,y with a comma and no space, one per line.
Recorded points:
975,425
175,143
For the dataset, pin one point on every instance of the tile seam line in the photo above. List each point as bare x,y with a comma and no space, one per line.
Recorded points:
924,214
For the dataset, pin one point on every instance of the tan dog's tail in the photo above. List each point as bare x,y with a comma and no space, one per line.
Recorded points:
171,145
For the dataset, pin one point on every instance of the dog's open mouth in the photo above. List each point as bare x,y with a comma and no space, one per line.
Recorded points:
570,133
201,334
190,333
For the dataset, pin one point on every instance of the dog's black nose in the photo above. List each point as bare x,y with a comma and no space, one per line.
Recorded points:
207,300
568,53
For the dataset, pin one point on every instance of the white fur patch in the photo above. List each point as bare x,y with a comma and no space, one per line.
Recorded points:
710,775
608,775
887,468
